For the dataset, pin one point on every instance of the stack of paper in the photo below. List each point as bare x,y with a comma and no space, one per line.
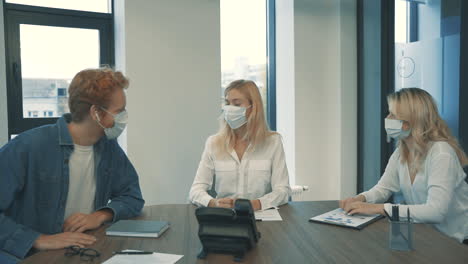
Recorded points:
144,259
271,214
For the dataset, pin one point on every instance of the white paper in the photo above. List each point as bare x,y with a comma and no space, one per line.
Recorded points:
144,259
271,214
339,216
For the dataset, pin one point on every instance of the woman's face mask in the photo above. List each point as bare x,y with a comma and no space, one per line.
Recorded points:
120,122
394,129
235,116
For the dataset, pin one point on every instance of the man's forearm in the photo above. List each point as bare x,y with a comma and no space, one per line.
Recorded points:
104,215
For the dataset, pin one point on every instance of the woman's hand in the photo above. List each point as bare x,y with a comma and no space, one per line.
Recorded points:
229,203
222,202
350,200
256,205
364,208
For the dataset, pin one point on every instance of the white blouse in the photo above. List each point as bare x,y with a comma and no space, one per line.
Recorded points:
438,195
261,174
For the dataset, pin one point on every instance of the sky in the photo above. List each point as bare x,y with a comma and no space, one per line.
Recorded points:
243,31
57,52
400,21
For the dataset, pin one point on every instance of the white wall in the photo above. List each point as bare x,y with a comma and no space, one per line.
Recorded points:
285,96
3,92
120,56
172,50
324,88
349,98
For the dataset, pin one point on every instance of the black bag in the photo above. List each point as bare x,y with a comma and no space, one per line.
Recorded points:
227,231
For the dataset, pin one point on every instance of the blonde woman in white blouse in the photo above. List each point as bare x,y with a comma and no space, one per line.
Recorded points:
244,159
426,167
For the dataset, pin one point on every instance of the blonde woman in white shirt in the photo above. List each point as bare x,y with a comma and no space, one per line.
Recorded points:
426,167
244,159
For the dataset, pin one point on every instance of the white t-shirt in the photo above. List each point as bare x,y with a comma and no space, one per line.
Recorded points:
438,195
261,174
82,181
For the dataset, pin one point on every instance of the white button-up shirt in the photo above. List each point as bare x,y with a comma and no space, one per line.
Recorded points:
261,174
438,195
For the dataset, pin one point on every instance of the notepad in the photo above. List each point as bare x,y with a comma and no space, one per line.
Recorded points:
159,258
271,214
137,228
340,218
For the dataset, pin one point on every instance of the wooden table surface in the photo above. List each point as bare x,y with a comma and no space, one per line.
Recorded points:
293,240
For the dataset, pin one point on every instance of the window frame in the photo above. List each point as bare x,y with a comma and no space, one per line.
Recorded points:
463,118
386,64
271,63
14,16
387,67
412,17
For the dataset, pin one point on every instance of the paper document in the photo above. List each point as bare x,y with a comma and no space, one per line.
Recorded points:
339,217
271,214
144,259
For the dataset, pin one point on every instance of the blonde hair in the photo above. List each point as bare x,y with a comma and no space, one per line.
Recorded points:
419,109
255,131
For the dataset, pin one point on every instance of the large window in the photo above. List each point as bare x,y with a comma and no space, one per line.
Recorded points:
47,43
247,47
411,43
428,57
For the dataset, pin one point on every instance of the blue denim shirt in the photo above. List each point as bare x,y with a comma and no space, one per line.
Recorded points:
34,178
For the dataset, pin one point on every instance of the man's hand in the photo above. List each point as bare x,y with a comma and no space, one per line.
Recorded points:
80,222
222,202
63,240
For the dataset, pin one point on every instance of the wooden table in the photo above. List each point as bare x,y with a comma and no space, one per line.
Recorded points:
294,240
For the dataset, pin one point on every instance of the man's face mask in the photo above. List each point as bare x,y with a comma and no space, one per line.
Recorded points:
120,122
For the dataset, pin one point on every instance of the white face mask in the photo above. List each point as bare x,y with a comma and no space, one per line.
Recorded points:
235,116
394,128
120,122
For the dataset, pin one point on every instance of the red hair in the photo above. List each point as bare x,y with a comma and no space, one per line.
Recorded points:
93,87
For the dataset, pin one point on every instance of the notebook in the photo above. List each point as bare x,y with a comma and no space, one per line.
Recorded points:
138,228
340,218
271,214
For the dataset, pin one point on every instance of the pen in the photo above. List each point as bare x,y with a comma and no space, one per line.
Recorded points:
133,252
408,215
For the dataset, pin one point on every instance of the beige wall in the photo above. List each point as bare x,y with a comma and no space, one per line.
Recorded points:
325,97
172,57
